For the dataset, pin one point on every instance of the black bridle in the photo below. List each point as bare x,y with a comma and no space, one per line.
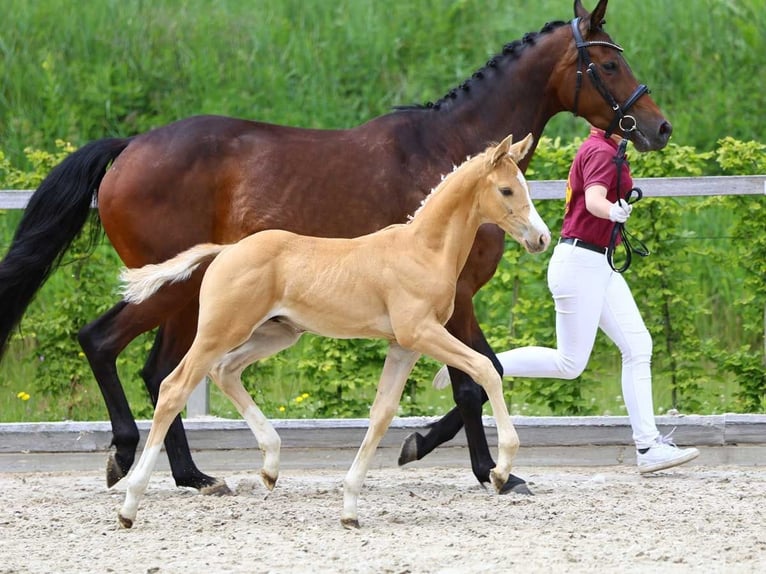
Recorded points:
625,122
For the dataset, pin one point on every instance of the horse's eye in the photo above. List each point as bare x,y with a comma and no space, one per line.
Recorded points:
506,191
610,66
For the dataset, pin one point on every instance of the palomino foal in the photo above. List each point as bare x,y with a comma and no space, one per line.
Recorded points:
259,295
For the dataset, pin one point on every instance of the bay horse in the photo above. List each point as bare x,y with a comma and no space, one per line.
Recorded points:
397,284
212,179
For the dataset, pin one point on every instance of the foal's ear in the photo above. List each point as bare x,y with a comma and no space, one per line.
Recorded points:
502,148
519,151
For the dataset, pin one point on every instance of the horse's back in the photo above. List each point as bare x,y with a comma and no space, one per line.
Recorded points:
218,179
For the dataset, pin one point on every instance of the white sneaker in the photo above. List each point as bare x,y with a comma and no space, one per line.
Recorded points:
664,454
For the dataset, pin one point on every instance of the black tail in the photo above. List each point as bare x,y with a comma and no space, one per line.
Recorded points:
55,215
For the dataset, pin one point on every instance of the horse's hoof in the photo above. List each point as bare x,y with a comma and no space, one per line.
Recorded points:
114,472
125,522
218,488
410,448
515,485
350,523
205,484
268,480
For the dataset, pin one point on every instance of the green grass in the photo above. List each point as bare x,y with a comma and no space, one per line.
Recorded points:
84,70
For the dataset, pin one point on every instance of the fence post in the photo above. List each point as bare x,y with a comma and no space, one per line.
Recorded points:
198,404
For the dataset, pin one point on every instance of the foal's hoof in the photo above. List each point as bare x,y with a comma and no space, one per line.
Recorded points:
497,481
515,485
114,471
350,523
268,480
410,449
218,488
124,522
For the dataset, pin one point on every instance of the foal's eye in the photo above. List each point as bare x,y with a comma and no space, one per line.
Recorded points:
506,191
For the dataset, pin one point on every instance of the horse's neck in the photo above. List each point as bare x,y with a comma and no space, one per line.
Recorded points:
447,222
512,98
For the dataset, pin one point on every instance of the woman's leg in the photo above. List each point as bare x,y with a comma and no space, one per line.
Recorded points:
621,321
577,279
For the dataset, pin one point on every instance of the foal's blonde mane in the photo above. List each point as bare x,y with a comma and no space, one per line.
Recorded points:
443,182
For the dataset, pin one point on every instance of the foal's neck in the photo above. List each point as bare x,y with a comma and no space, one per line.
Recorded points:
447,222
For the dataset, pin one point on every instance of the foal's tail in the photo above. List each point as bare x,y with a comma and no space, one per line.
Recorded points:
55,215
141,283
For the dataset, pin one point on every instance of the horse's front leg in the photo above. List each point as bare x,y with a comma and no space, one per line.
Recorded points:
398,365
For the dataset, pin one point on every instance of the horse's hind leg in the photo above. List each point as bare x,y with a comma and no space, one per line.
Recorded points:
268,339
173,340
102,341
399,363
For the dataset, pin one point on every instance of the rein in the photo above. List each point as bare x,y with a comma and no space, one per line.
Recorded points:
619,231
622,119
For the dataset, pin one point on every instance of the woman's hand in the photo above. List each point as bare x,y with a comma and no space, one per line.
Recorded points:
620,211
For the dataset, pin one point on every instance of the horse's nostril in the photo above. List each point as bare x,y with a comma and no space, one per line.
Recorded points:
666,128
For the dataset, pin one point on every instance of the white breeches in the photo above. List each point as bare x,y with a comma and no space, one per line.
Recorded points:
588,295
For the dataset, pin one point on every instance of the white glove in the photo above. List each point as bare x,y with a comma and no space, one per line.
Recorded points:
620,211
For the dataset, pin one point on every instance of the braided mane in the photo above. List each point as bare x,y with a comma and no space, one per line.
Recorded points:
511,50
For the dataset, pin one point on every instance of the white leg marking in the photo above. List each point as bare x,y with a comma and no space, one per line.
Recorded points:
138,481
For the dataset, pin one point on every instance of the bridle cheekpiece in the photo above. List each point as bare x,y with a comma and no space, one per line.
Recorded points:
622,119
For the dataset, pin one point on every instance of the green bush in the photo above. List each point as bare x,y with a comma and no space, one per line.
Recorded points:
702,293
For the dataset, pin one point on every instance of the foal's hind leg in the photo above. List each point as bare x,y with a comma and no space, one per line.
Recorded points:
174,392
173,340
399,363
267,340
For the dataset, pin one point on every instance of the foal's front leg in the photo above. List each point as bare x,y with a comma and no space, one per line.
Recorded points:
398,365
434,340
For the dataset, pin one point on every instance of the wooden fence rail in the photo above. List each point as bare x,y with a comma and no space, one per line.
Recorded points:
199,403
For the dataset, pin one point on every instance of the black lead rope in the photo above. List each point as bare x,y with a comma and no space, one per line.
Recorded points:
630,243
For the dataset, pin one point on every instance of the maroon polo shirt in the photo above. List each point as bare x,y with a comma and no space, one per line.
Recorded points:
593,164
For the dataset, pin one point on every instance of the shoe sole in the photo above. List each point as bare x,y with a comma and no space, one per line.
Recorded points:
669,463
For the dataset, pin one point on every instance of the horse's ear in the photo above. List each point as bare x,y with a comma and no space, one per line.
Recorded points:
519,151
579,11
502,148
598,16
591,21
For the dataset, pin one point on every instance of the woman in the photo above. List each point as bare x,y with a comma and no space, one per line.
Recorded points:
589,295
